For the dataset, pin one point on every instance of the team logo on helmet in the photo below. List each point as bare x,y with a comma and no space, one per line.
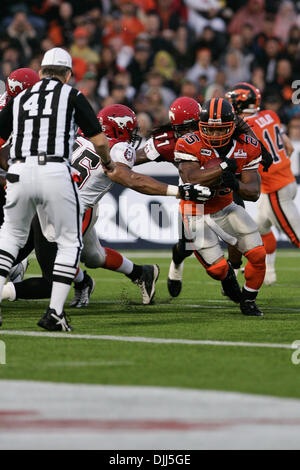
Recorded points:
171,115
121,120
13,84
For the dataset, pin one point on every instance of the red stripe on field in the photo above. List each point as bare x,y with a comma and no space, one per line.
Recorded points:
12,424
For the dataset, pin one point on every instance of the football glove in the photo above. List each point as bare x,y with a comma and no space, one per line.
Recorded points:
230,181
267,159
194,192
232,165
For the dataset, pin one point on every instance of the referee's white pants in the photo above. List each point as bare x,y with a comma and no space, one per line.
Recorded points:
49,191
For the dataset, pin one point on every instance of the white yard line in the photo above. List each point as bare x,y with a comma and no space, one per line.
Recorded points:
140,339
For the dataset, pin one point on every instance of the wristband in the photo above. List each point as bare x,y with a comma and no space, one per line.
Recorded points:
172,190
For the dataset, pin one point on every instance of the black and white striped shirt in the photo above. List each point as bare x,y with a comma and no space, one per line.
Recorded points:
44,118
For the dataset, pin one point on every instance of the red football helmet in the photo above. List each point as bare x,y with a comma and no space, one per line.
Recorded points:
184,114
19,80
119,122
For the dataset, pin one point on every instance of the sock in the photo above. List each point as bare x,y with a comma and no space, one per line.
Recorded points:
136,273
270,261
33,288
269,242
249,294
9,292
79,275
117,262
255,268
2,282
179,253
59,295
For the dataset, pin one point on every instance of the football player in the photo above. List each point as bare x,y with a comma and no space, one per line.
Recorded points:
234,155
184,115
276,206
120,126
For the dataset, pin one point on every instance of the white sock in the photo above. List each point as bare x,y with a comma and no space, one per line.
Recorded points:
2,282
126,267
59,295
9,292
79,276
270,261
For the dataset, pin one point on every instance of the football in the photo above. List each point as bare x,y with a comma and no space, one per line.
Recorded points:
211,163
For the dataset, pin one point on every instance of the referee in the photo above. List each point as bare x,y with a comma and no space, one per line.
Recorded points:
42,122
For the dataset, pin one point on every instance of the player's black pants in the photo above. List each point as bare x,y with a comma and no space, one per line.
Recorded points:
37,288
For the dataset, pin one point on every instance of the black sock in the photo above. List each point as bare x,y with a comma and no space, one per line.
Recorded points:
248,295
33,288
179,253
136,272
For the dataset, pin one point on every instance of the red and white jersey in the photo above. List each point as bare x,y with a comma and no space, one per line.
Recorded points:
246,153
85,160
161,146
267,127
4,100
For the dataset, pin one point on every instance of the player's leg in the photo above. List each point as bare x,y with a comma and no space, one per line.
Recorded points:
265,220
285,214
209,253
63,224
94,255
239,223
18,212
179,253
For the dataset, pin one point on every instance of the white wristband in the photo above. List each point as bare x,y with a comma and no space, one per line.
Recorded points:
172,190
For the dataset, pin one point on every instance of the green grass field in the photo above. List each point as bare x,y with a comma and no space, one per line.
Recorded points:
200,313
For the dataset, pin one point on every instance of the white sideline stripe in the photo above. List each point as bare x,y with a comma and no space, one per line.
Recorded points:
141,339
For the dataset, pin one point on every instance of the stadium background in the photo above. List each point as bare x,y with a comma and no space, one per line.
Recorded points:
145,53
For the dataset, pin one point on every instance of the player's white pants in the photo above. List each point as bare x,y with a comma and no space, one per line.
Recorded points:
278,209
49,191
93,254
233,220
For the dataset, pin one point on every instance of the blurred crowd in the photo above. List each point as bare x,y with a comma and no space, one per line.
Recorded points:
145,53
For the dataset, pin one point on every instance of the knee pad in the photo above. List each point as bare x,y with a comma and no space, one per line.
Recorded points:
219,270
269,241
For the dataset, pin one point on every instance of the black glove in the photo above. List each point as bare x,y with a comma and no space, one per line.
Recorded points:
267,159
232,165
230,181
194,192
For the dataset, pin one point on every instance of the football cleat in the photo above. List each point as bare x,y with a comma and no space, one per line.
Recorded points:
53,322
147,282
83,291
270,277
16,274
231,286
175,278
249,307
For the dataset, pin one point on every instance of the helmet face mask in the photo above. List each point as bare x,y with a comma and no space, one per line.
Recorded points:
217,123
245,98
120,122
184,115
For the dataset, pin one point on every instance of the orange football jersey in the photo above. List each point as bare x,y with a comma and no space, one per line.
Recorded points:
190,148
267,127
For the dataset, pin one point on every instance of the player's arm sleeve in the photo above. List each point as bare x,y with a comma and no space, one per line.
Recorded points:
6,121
181,154
85,116
242,127
123,153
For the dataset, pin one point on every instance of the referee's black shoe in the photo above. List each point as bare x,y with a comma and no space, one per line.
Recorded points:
53,322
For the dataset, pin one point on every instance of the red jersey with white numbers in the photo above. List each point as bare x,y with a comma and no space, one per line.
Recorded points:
246,153
267,127
161,146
